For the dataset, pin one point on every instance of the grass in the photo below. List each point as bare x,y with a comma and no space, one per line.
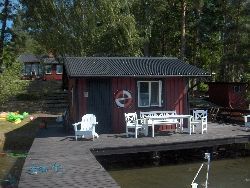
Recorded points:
18,137
15,140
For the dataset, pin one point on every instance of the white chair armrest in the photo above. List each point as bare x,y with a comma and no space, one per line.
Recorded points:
74,124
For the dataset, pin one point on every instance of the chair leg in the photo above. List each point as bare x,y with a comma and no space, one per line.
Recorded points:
135,133
146,131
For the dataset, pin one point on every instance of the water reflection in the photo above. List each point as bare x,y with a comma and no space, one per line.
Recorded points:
228,173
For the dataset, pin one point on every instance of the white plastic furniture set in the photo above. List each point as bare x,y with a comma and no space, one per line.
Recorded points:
135,126
86,127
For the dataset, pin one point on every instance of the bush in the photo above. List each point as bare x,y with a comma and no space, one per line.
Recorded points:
10,83
202,87
28,96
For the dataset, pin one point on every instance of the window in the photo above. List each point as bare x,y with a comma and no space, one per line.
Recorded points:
237,89
149,93
34,69
47,69
59,69
27,69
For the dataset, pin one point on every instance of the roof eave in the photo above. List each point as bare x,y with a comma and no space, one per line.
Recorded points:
137,76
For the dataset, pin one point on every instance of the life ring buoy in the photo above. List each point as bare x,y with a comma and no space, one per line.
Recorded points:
123,99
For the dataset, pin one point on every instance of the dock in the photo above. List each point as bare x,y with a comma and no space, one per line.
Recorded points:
57,160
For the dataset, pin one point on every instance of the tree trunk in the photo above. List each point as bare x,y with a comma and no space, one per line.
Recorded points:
3,29
183,29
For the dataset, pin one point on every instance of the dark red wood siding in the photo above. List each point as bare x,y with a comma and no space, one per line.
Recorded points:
218,94
72,109
129,84
82,99
53,75
174,97
225,94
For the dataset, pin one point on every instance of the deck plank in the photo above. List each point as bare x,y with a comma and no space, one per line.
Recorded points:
80,167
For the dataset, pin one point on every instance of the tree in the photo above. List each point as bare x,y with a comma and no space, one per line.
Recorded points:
4,17
83,27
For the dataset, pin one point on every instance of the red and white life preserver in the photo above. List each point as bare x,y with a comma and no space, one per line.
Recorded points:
123,99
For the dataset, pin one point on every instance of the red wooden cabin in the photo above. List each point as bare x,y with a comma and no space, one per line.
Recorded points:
228,94
110,86
41,67
53,69
32,68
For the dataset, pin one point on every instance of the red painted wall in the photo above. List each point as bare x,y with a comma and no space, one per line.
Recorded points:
218,94
224,94
53,75
72,109
82,99
118,84
174,96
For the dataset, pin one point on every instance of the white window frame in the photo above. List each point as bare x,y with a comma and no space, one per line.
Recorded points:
150,91
46,69
57,71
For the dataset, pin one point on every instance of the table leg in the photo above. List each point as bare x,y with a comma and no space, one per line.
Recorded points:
153,129
181,125
189,126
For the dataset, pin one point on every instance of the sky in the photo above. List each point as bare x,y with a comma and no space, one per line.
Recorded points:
9,22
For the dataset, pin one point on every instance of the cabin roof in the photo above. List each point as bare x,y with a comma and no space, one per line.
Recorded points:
50,60
28,58
129,67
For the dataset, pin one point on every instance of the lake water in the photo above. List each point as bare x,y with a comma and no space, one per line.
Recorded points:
10,168
227,173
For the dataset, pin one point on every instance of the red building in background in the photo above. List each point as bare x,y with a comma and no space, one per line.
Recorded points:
40,67
53,69
229,94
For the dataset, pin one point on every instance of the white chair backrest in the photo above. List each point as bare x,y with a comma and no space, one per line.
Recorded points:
198,114
156,113
130,118
144,115
87,122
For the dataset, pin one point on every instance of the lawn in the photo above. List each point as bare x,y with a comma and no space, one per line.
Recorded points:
18,137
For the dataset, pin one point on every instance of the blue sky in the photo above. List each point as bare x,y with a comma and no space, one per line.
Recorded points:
9,22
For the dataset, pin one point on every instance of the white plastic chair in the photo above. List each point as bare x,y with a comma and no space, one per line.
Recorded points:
199,118
247,122
135,126
86,128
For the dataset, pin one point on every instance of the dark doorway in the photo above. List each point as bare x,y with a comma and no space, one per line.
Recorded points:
99,103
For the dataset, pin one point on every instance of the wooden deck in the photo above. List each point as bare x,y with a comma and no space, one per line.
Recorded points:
78,167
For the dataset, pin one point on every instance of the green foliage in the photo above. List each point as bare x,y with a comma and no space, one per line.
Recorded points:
216,32
28,96
10,83
202,87
83,27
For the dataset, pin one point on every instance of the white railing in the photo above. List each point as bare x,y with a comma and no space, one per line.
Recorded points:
195,185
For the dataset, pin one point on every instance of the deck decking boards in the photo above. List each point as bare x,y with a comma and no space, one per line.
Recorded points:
80,167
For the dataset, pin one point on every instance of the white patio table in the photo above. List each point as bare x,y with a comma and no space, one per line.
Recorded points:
163,120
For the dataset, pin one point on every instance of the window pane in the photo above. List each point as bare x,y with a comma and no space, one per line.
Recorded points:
154,93
40,69
34,69
59,69
48,69
27,69
144,94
